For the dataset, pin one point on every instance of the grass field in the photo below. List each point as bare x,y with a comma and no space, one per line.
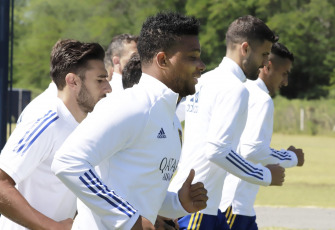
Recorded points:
310,185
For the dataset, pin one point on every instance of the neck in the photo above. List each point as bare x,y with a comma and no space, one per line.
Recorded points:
154,73
233,55
71,104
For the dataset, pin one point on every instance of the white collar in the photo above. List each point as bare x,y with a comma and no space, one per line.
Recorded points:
159,88
260,83
233,67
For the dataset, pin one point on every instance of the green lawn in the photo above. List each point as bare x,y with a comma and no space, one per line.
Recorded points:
310,185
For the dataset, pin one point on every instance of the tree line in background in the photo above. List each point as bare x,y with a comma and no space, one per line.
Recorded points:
306,27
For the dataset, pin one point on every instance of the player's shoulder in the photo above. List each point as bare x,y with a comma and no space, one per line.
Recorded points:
38,112
131,102
255,91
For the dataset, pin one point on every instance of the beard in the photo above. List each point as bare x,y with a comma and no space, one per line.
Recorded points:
254,75
85,100
249,69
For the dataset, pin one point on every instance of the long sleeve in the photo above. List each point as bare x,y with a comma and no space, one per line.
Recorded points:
172,207
224,136
256,137
100,138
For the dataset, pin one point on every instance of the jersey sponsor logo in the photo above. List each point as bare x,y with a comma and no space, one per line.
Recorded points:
167,167
161,134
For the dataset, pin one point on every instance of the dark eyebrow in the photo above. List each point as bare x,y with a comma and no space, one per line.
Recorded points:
102,76
195,50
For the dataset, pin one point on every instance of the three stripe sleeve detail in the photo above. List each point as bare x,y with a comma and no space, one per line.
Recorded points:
36,130
244,166
93,183
280,155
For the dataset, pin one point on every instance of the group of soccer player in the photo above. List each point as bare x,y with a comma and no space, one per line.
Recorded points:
90,153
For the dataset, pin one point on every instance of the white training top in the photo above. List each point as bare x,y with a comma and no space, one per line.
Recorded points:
180,111
215,118
254,146
40,101
27,158
133,136
116,83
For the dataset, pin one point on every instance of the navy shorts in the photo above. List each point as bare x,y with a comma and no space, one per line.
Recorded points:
200,221
239,222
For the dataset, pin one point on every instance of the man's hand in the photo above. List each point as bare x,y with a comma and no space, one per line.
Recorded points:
143,223
277,173
193,197
163,223
299,153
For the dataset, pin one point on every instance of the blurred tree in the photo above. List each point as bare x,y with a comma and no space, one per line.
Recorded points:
40,23
308,34
306,27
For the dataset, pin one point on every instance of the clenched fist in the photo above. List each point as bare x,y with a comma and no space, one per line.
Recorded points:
193,197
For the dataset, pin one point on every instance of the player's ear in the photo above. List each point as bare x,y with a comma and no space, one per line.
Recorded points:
244,48
116,60
72,80
161,60
268,67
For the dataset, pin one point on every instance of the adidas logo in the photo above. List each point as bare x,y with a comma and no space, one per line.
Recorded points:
161,134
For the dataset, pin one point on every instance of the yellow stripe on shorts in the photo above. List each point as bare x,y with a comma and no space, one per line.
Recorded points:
196,219
232,221
200,219
191,220
228,212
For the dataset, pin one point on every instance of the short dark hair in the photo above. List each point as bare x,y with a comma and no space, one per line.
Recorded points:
71,56
251,29
160,33
116,46
132,72
280,50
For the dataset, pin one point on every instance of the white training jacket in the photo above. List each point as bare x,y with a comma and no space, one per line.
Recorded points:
254,146
116,83
27,156
215,119
133,135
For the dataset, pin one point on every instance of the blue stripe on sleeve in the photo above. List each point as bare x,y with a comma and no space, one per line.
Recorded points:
39,133
281,158
242,167
24,142
110,197
246,165
24,136
280,155
116,197
245,162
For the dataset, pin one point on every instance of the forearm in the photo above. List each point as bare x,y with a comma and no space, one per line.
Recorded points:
91,190
236,165
172,207
16,208
262,153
